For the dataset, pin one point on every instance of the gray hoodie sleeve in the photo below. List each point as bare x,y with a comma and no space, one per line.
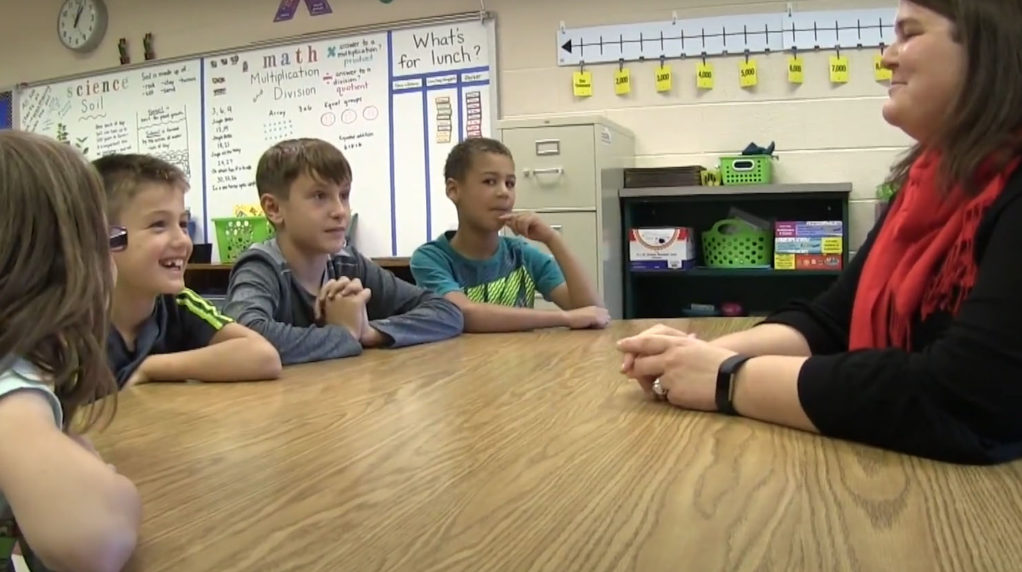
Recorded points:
253,297
407,313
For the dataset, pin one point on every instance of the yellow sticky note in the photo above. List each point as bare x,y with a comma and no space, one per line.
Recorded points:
663,79
582,84
879,71
710,177
704,76
795,74
623,81
748,76
243,210
838,69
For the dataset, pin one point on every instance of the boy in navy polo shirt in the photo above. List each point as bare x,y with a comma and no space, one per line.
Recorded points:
492,278
161,330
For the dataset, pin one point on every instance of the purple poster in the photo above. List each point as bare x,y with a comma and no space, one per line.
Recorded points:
318,7
286,10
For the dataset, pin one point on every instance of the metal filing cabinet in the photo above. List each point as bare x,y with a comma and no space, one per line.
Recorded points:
569,172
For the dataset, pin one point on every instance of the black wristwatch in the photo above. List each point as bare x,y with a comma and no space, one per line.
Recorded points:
725,382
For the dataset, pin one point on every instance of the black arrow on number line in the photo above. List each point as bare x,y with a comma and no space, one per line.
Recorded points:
571,45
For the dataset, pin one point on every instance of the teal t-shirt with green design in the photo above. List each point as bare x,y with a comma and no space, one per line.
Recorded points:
511,277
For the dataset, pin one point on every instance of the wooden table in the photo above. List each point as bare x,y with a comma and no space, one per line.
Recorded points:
528,452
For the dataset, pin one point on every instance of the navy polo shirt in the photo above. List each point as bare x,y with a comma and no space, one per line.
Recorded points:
181,322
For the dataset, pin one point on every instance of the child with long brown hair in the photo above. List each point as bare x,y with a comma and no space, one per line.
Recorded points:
73,509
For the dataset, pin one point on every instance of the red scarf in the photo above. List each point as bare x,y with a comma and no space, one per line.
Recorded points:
922,260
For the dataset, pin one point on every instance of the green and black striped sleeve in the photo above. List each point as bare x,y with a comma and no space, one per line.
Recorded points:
199,320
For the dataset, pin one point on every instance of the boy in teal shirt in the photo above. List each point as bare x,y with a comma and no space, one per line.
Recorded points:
494,278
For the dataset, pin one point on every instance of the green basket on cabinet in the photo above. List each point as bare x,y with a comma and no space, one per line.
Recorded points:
746,170
734,243
235,234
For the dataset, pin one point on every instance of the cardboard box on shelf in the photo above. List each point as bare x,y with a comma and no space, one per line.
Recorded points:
820,245
665,248
808,261
808,229
808,245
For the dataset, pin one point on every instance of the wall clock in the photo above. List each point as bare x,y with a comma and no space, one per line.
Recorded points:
81,24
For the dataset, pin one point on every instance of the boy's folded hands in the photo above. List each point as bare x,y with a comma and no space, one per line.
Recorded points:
342,302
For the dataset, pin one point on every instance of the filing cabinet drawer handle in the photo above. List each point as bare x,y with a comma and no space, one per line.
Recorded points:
557,227
548,171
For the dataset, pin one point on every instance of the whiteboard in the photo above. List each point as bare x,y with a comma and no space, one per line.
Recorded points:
394,102
156,110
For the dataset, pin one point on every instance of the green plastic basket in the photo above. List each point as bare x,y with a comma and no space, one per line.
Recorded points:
734,243
746,170
235,234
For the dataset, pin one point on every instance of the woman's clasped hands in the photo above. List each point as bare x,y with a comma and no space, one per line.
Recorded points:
673,365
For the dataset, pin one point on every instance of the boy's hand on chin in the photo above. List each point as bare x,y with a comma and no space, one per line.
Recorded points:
530,226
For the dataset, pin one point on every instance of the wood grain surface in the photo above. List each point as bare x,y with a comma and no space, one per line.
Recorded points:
528,452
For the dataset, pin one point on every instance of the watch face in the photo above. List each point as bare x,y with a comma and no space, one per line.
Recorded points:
81,24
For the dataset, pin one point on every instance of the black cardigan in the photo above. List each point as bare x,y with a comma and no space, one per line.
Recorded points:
958,396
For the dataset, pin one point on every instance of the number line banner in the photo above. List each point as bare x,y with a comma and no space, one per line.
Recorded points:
726,35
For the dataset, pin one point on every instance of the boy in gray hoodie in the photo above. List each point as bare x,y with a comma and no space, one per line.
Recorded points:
305,291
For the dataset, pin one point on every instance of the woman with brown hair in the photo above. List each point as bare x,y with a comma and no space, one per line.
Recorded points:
73,510
917,347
